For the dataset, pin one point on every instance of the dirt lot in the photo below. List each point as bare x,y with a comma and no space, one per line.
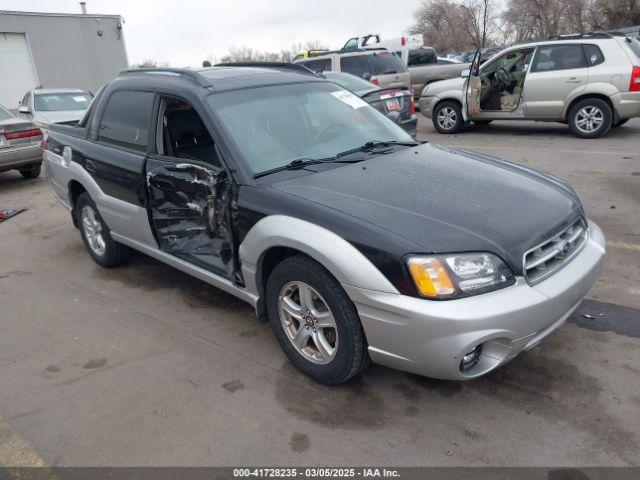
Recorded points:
143,365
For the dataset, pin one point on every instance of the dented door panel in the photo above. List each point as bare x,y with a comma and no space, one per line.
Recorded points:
189,211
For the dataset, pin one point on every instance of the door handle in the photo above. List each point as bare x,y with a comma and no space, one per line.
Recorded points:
163,184
574,80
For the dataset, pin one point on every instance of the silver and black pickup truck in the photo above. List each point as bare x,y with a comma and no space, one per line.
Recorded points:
353,240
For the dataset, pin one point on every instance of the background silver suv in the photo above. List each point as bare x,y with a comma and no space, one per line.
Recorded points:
379,66
591,82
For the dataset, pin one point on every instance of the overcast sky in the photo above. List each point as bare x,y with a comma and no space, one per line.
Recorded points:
185,32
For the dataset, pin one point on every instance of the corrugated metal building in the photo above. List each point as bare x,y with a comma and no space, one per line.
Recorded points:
55,50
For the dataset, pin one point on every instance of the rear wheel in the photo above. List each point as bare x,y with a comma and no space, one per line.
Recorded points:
447,117
32,171
96,235
590,118
315,322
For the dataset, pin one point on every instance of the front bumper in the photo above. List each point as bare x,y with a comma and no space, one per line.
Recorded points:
426,105
11,158
430,337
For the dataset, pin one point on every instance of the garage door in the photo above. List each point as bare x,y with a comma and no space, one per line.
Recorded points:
17,72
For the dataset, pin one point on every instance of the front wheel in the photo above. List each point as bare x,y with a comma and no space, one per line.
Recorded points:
447,117
96,236
590,118
315,322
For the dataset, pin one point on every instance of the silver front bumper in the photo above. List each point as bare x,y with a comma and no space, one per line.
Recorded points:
426,104
430,337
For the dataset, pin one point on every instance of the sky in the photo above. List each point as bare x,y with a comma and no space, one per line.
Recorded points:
186,32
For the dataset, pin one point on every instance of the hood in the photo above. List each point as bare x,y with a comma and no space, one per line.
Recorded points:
442,200
58,116
434,88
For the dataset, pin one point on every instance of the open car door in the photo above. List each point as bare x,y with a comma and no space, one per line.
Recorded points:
473,87
189,206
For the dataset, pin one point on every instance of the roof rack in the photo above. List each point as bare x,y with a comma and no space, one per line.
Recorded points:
182,72
577,36
282,65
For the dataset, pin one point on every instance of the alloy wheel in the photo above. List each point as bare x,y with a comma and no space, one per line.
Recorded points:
308,322
447,118
92,229
589,119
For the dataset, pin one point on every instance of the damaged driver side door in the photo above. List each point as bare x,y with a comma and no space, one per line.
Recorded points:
189,191
189,208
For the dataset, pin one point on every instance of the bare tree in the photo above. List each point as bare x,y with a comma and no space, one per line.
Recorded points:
150,63
248,54
450,25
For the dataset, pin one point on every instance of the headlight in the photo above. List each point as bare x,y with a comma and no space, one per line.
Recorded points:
458,275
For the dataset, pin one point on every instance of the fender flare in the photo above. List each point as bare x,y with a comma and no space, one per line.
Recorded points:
345,262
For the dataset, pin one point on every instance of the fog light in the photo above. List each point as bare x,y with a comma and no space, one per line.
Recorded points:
470,358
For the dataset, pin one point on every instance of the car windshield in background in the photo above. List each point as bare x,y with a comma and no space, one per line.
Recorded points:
350,82
51,102
385,62
276,125
5,114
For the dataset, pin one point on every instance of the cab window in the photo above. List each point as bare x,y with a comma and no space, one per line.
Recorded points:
593,54
126,120
182,133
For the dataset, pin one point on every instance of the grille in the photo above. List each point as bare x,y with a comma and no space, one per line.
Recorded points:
553,254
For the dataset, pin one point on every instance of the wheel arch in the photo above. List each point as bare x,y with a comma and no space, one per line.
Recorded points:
585,96
277,237
74,189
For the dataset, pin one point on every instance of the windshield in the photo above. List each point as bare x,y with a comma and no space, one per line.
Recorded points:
273,126
384,63
4,114
51,102
350,82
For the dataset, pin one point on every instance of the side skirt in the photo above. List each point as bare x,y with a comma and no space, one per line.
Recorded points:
200,273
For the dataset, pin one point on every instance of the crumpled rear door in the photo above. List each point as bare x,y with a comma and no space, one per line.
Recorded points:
189,205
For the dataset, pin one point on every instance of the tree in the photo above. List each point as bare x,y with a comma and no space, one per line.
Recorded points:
248,54
150,63
449,25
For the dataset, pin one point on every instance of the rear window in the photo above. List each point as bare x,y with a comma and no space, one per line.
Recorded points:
318,65
126,120
422,56
386,63
593,55
634,45
4,114
350,82
355,65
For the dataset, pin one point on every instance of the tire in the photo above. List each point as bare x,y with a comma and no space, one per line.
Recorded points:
32,171
328,300
447,117
104,250
590,118
621,122
482,122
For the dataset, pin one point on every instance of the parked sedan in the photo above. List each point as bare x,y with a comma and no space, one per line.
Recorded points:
397,104
47,106
19,145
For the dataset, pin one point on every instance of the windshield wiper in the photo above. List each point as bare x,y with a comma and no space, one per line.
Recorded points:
375,144
292,165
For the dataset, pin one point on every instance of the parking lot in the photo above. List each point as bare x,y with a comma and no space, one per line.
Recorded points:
145,365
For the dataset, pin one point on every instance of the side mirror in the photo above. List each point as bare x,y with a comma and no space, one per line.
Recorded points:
23,109
465,73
